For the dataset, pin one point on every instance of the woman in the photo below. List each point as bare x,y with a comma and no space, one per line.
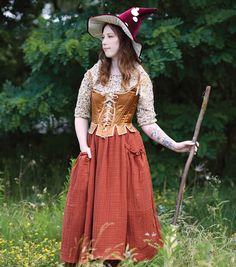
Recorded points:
110,210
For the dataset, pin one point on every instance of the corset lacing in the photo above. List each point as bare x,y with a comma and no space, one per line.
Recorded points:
109,106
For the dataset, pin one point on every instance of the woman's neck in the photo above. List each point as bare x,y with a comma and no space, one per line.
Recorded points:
114,66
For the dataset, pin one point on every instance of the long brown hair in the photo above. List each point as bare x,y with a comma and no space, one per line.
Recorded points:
127,58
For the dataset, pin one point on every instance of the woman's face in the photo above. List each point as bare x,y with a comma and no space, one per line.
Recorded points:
110,42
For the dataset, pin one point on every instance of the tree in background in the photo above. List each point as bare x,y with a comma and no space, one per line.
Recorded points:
17,20
188,45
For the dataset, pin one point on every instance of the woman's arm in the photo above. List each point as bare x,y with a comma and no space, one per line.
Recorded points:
81,129
158,135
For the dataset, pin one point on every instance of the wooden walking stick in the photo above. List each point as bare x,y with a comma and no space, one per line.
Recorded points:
191,154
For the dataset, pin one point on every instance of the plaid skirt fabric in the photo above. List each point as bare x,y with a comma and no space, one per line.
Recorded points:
110,211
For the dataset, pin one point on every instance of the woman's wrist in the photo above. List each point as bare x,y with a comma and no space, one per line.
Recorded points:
83,148
168,143
175,146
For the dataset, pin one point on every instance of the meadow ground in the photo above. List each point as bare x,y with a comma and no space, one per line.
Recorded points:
30,230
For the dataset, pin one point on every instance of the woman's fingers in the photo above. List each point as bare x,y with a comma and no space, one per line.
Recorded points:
89,153
196,147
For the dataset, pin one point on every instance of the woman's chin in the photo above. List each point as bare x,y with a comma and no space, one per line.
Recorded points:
108,55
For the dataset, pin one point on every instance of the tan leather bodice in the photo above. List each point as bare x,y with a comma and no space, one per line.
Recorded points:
112,110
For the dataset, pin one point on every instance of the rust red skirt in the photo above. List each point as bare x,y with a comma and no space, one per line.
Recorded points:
110,211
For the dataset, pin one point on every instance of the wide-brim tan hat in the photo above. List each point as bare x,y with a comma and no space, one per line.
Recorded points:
130,22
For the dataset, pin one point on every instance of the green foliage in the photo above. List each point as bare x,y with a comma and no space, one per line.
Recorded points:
187,46
193,245
21,108
162,45
55,53
29,253
59,42
13,32
30,230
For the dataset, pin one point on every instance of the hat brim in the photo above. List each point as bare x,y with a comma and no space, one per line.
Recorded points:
95,25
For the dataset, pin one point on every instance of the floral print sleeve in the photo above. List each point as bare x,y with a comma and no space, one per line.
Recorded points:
145,108
82,108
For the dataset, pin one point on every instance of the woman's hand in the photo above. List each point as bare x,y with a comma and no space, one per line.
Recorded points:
158,135
81,128
186,146
86,150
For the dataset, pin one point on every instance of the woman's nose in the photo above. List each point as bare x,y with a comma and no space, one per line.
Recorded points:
104,40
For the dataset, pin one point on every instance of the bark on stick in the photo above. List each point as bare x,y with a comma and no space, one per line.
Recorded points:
191,154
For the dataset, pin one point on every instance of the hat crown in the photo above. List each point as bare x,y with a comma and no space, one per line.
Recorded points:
133,17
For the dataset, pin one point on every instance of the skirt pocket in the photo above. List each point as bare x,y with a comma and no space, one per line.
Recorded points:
135,155
139,179
78,186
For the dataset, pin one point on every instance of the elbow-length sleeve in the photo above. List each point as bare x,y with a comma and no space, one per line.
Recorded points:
82,108
145,107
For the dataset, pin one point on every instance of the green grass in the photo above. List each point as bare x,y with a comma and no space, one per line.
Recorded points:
30,230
